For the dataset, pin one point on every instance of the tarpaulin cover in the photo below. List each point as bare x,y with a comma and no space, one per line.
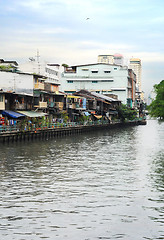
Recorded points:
11,114
86,113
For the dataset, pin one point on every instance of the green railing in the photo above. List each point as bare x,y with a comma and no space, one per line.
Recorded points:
33,127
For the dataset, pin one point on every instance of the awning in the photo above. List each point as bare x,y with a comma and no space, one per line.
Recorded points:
33,114
98,116
72,96
11,114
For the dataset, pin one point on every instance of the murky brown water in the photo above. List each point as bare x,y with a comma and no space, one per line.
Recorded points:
103,185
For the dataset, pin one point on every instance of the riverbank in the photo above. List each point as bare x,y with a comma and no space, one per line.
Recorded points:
15,135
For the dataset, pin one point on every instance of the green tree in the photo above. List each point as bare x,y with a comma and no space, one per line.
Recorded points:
126,113
65,65
156,108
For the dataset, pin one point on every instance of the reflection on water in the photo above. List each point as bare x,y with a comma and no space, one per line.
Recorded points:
103,185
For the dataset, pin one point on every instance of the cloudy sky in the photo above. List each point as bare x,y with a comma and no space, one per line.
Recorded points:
61,32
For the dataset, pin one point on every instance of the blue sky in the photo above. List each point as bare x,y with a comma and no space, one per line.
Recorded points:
61,33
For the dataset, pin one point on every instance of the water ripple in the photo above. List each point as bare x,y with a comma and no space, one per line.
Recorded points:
102,185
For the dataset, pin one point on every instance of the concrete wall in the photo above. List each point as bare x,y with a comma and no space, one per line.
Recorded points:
108,79
2,101
16,82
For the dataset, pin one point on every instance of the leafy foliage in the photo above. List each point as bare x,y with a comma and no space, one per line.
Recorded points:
7,68
126,113
156,108
3,67
65,65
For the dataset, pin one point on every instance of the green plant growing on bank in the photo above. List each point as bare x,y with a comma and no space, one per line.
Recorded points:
83,119
65,117
156,108
126,113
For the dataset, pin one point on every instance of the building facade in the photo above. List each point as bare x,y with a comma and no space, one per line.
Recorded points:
100,78
109,59
50,70
16,82
131,88
116,59
135,65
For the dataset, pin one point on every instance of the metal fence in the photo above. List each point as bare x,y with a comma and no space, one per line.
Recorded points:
33,127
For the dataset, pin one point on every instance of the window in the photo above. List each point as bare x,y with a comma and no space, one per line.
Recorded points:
94,70
85,69
94,81
70,81
107,80
115,68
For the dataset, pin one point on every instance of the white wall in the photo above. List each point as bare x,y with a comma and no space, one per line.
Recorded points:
15,82
114,81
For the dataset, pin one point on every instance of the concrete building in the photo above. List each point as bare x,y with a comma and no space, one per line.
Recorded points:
99,77
16,82
8,64
131,89
106,59
111,59
118,59
135,65
50,70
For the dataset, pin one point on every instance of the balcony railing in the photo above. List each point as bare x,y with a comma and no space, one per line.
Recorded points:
41,105
2,105
39,86
35,128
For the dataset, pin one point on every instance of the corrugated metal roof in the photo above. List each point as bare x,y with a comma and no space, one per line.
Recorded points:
97,96
33,114
104,97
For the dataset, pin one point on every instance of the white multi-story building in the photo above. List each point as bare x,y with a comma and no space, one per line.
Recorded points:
49,70
99,77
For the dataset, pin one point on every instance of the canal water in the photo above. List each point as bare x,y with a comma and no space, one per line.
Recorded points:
99,185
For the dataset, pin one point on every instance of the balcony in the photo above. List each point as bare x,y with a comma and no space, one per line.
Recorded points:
59,105
51,104
39,86
41,105
20,106
2,105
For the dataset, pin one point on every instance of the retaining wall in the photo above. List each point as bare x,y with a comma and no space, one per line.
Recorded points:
57,132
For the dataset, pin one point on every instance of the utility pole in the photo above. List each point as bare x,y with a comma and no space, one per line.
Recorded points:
38,56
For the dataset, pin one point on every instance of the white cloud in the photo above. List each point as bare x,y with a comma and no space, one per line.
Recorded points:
106,46
158,20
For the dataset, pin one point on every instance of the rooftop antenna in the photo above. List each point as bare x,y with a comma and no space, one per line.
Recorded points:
38,56
32,60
